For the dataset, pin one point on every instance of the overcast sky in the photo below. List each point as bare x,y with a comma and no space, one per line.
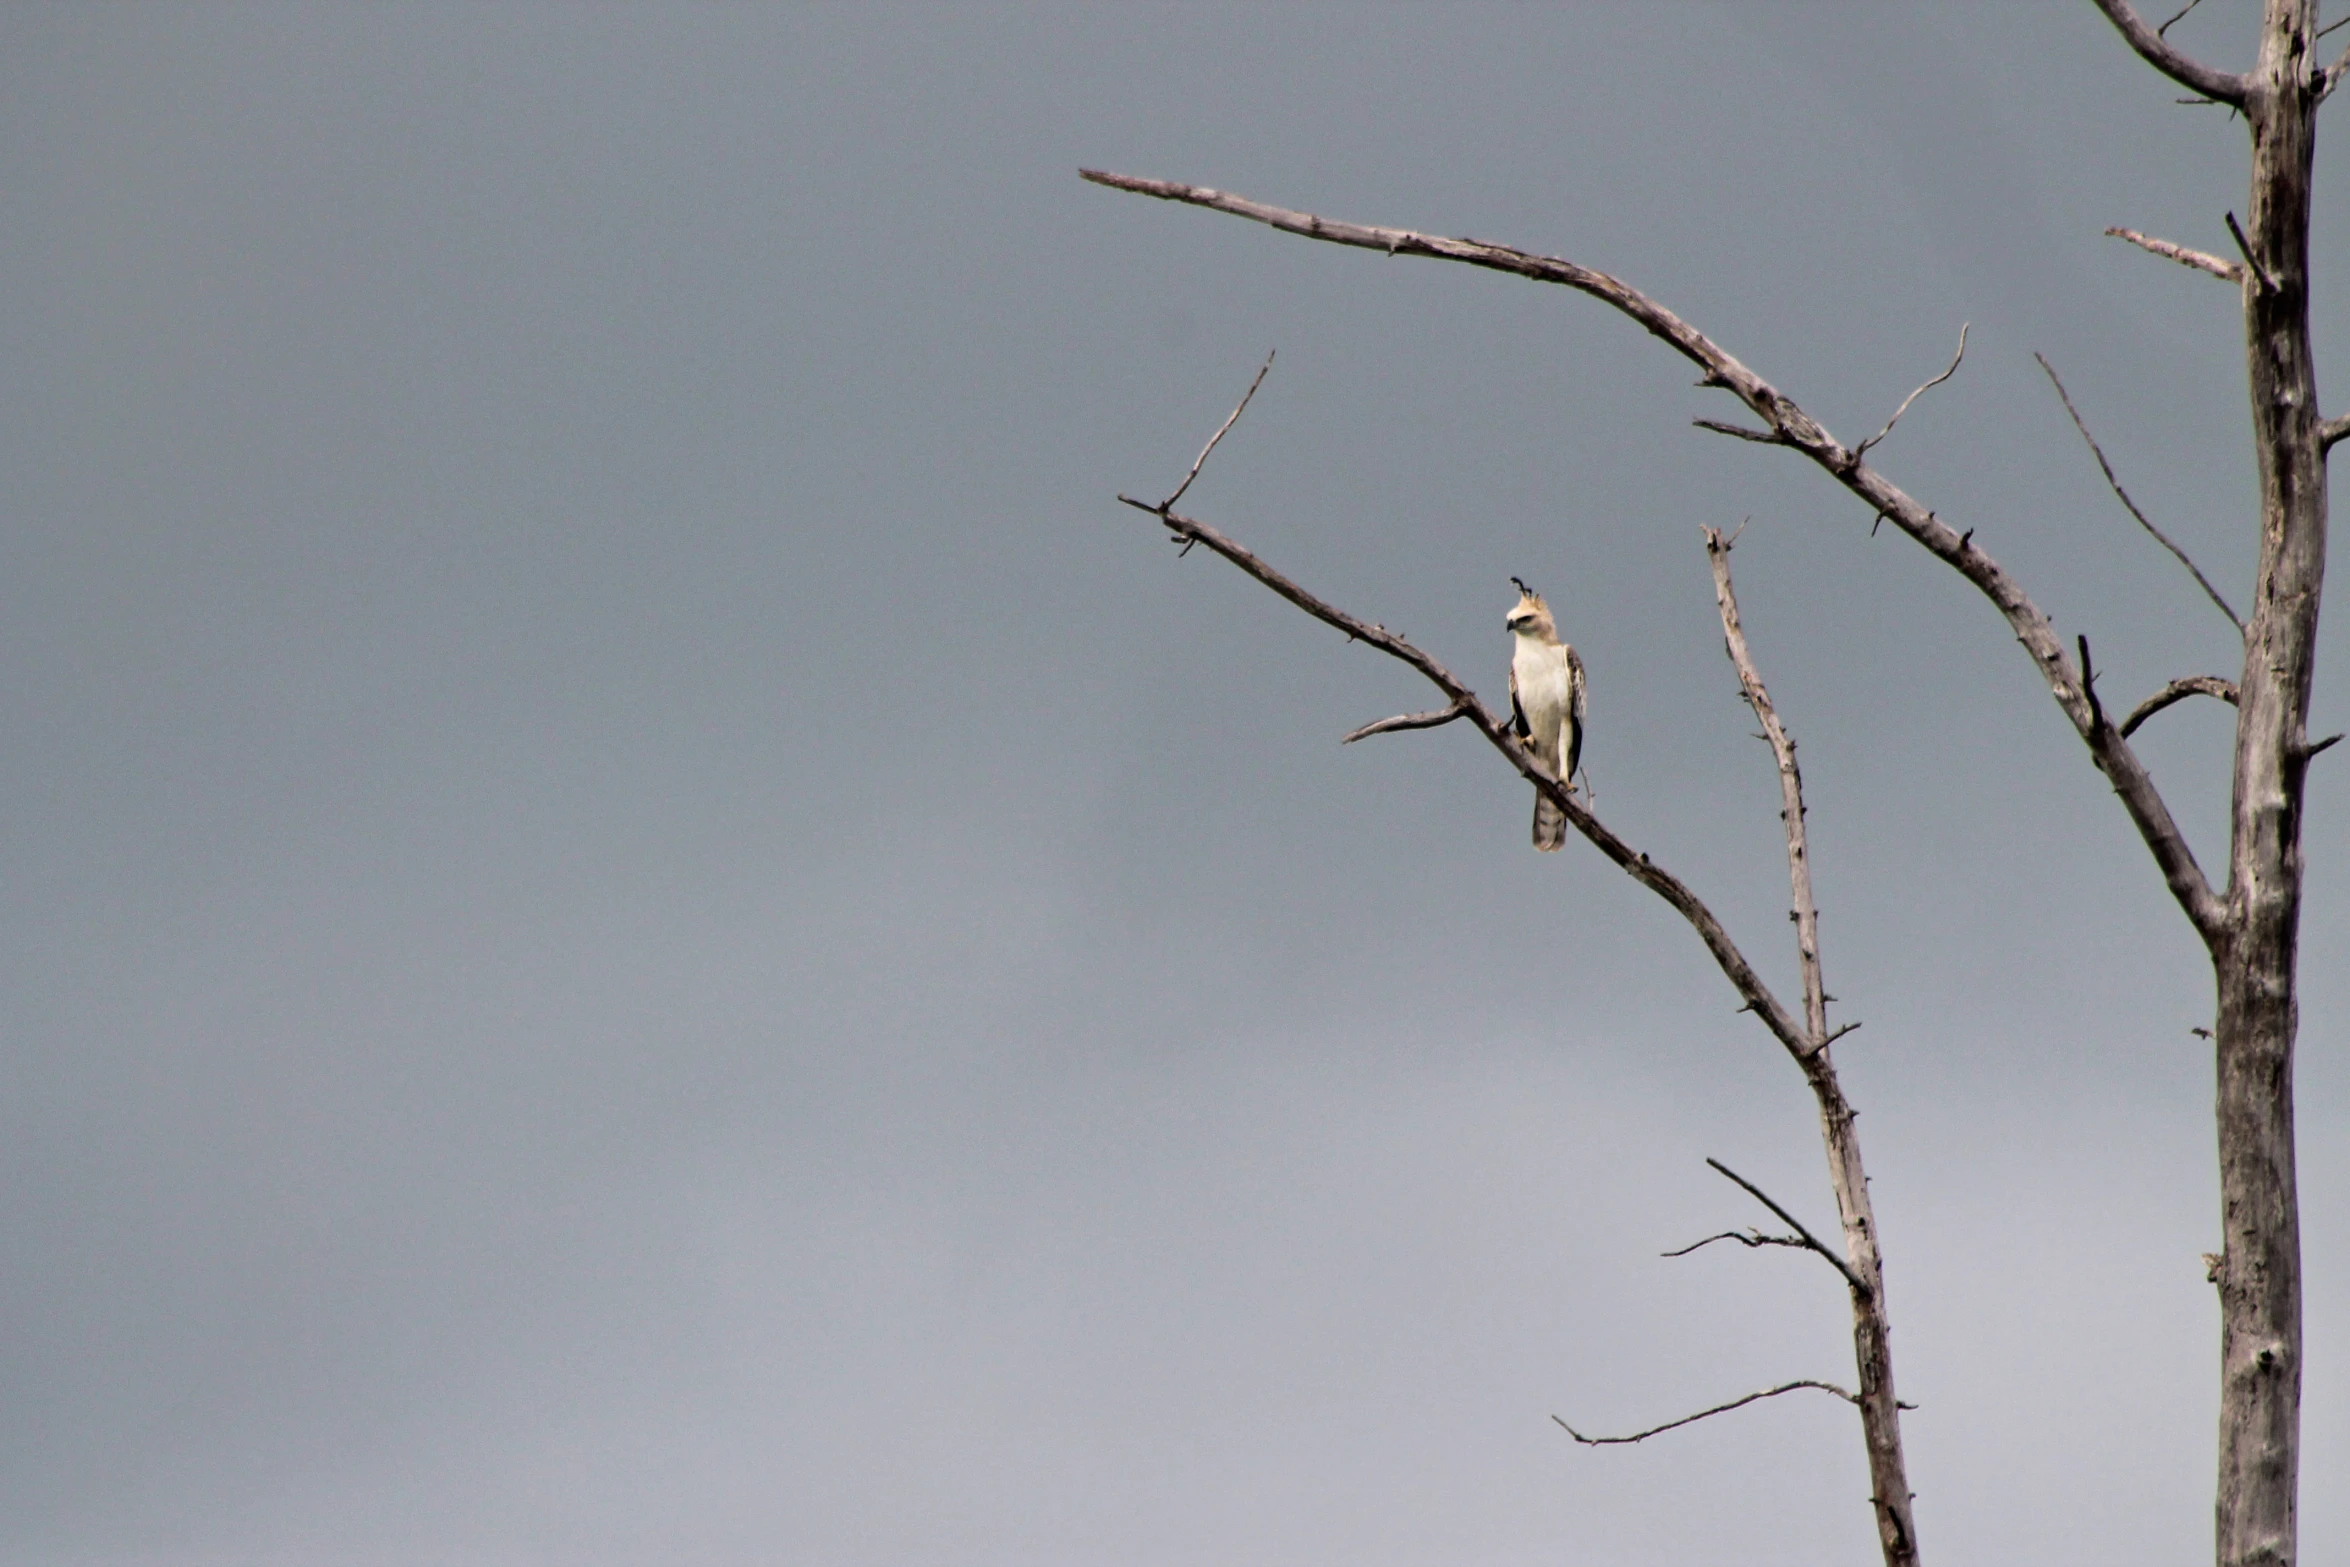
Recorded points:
641,926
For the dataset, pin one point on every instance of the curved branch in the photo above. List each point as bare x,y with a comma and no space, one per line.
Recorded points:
1862,450
1718,1409
1388,726
2155,50
1797,429
2331,431
2179,691
1751,1239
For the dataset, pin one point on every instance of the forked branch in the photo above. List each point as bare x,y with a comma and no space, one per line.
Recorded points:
1805,1039
1790,426
1803,1237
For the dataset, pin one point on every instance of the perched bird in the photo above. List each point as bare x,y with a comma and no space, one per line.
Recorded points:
1546,704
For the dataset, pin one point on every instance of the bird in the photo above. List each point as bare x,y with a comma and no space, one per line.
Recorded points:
1546,705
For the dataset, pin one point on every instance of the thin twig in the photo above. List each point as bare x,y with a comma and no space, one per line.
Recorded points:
2179,691
2201,261
2089,679
2123,496
2251,261
1759,437
1234,419
1862,449
1750,1239
2176,17
1859,1286
1718,1409
1429,720
2132,784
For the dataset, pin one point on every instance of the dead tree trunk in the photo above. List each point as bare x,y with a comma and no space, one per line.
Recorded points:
2259,1274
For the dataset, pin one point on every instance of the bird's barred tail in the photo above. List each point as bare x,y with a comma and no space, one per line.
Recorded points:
1550,824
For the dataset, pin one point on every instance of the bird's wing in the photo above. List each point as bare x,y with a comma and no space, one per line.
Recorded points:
1574,707
1518,724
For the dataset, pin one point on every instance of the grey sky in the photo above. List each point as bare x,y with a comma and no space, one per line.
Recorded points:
640,926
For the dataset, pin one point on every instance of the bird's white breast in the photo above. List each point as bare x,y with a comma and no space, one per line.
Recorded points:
1545,683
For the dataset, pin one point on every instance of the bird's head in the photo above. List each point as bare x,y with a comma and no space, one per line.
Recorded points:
1529,616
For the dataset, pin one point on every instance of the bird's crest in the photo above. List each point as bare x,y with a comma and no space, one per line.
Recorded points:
1530,611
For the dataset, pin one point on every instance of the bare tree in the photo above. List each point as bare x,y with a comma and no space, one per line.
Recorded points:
2249,925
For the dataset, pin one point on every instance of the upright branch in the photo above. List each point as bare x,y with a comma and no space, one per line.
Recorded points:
1804,911
1786,424
1862,1265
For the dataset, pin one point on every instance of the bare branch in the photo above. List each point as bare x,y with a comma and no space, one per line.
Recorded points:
2251,261
2089,681
1750,1239
1783,1025
1760,437
1750,685
2177,17
1718,1409
1387,726
2224,86
2179,691
1860,1286
2201,261
2123,496
1862,449
1234,418
1796,428
2333,429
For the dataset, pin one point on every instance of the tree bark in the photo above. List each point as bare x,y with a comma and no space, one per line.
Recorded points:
2254,960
